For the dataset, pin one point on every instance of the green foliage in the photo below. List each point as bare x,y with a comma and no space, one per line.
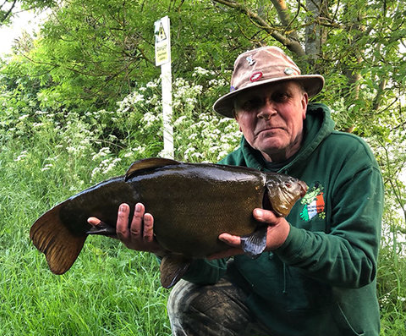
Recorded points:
93,53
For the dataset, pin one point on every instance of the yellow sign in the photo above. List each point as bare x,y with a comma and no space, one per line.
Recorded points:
162,41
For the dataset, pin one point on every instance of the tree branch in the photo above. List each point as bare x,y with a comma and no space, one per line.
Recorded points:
8,13
289,40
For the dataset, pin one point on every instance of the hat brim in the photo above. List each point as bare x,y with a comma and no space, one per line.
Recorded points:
312,84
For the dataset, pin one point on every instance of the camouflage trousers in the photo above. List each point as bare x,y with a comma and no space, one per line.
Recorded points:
218,310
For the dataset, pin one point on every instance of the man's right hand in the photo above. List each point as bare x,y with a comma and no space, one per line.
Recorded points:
137,234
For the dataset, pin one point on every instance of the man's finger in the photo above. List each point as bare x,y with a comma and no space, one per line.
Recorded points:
148,228
234,241
93,221
136,223
122,221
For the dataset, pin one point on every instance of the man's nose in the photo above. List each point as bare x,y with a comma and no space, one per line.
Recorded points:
266,110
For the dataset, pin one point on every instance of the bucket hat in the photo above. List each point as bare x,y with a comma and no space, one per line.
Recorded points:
262,66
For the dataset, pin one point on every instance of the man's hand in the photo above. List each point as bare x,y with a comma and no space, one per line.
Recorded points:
137,235
277,232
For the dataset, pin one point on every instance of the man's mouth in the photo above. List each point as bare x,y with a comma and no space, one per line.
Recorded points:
268,129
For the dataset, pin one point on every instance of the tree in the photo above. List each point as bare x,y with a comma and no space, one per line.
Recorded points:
93,53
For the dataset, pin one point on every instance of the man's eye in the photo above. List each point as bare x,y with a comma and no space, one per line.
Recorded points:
280,97
251,104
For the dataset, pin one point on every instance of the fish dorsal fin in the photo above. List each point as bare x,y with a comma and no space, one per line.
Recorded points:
150,163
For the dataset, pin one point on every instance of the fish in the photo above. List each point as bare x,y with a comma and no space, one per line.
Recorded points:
192,204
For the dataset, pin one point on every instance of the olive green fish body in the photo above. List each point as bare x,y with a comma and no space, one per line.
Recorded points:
199,202
191,204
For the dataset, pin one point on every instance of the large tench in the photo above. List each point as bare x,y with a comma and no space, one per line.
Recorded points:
192,205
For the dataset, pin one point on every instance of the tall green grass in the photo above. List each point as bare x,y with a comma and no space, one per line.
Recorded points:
110,290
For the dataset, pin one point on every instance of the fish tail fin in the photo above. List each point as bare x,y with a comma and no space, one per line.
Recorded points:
172,268
52,237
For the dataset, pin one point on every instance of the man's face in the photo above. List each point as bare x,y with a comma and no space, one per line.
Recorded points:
271,118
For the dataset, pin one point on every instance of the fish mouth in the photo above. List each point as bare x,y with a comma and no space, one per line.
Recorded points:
303,188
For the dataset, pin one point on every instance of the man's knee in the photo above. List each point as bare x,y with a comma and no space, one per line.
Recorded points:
208,310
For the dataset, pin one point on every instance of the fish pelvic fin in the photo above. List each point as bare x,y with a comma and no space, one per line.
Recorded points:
50,236
149,163
172,269
254,244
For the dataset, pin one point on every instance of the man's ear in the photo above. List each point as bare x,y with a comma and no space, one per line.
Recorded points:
305,101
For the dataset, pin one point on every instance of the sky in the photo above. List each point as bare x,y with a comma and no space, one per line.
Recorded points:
26,20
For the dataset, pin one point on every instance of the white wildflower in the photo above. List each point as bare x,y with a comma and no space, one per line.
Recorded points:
71,149
152,85
200,71
24,116
22,156
47,167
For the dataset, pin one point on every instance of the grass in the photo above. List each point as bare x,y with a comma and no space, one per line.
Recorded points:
47,157
110,290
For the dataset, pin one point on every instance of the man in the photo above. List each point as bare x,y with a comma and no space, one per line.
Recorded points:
318,274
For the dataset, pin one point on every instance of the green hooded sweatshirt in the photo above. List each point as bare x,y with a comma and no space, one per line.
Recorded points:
322,280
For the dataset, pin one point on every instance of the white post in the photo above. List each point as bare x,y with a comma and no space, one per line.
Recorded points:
163,58
166,81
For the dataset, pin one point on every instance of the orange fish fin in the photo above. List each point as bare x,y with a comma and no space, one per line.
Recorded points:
56,241
173,267
150,163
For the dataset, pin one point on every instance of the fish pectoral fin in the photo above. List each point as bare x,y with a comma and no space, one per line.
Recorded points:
103,229
255,243
173,267
149,163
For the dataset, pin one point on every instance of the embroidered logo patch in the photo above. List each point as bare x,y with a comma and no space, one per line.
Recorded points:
313,203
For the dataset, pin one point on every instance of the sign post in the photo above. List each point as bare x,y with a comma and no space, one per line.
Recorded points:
163,58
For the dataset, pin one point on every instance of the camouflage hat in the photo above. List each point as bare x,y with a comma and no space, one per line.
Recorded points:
262,66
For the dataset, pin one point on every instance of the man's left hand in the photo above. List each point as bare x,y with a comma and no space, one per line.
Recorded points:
277,232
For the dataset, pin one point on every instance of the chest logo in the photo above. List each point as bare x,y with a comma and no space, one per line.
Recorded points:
313,203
